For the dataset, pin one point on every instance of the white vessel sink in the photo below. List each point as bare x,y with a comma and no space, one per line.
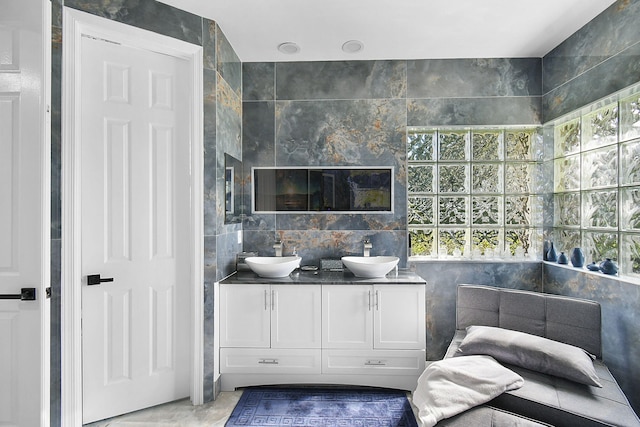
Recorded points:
370,266
273,266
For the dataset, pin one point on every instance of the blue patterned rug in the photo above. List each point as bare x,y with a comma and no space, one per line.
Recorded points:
322,407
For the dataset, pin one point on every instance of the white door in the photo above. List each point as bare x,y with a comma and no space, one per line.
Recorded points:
399,317
245,316
347,316
24,212
135,228
296,313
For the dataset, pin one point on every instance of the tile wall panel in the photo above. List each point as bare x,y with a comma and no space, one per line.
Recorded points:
258,81
487,111
461,78
147,14
607,35
228,63
597,60
340,80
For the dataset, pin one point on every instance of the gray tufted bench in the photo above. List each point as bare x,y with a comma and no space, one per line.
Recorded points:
543,397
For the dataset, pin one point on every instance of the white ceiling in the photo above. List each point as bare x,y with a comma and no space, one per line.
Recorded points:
395,29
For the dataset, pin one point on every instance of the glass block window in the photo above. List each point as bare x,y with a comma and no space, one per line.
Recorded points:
596,201
474,192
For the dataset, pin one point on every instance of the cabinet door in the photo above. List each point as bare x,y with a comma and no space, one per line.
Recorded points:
347,316
399,317
245,316
296,316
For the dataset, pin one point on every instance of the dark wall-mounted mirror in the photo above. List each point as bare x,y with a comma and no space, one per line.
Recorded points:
323,189
232,189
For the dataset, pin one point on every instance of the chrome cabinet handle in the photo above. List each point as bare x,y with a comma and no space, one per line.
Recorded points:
377,301
268,361
369,300
375,363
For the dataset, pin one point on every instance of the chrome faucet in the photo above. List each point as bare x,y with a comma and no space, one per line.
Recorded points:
367,247
278,247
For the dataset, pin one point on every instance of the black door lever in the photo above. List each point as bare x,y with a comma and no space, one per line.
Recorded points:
26,294
95,279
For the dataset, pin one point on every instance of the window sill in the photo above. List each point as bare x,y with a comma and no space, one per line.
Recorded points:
428,259
584,270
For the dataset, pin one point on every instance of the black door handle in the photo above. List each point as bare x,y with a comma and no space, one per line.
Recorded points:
95,279
26,294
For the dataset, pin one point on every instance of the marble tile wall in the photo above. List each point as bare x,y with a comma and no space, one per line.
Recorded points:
356,113
222,123
599,59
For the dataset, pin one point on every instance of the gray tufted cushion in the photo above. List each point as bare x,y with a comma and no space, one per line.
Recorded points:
569,320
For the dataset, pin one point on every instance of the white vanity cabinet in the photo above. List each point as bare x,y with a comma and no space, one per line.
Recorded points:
270,316
270,329
373,329
373,317
356,334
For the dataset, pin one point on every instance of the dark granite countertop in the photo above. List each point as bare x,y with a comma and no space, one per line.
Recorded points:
298,277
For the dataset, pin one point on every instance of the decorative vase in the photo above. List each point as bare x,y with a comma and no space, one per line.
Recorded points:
562,259
545,250
593,267
552,256
609,267
577,257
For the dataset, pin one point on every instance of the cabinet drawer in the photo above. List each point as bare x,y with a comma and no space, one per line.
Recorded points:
254,361
379,362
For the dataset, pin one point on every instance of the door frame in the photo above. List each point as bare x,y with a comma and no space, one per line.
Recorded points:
76,25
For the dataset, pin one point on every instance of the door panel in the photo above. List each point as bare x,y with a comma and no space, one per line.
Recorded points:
8,353
399,317
162,303
161,191
347,317
117,336
24,212
9,182
135,227
296,316
117,176
245,316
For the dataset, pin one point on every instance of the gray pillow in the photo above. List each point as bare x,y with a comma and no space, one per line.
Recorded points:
531,352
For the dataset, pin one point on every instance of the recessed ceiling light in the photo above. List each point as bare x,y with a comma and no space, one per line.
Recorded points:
353,46
289,48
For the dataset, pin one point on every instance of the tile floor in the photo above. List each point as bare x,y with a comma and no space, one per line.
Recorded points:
178,414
